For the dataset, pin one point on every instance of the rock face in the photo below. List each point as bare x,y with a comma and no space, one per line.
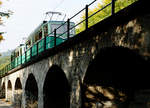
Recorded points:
103,67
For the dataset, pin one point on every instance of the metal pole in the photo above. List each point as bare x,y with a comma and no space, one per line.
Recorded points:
45,43
25,56
17,61
37,48
30,52
113,7
68,28
21,59
86,17
54,37
6,68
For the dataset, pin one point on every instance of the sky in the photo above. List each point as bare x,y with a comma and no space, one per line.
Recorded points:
28,14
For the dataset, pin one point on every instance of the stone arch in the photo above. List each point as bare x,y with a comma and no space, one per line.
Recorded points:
9,91
31,92
18,93
2,91
18,84
9,85
110,78
56,89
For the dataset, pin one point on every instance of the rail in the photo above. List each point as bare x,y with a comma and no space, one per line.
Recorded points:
52,41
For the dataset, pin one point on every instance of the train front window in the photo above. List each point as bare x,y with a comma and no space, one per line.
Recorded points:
60,30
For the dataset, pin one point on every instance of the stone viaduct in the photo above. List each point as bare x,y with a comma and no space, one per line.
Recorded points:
105,66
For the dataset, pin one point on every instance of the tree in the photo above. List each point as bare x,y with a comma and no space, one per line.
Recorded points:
119,4
1,37
3,14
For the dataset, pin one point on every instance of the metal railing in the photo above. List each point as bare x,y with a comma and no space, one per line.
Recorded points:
52,41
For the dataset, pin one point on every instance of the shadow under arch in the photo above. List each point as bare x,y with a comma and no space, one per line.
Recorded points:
31,92
2,92
18,84
9,86
18,93
56,89
9,91
113,77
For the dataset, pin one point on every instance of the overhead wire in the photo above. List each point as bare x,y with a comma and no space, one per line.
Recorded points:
61,2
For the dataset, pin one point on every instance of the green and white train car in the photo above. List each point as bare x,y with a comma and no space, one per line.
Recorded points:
46,30
16,56
41,38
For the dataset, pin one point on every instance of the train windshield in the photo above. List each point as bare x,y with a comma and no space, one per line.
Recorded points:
61,29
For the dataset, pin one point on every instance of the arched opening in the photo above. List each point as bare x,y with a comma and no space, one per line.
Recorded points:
56,89
111,78
2,91
31,92
9,91
9,85
18,93
18,84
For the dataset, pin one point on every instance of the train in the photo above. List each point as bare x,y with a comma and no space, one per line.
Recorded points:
42,36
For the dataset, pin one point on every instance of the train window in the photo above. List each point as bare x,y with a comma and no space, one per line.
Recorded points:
45,28
12,56
60,30
20,50
17,54
38,35
28,44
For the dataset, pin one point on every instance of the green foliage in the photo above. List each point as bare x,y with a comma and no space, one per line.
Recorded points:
4,61
119,4
1,38
2,14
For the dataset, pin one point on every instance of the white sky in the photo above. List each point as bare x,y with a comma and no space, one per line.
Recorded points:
28,14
